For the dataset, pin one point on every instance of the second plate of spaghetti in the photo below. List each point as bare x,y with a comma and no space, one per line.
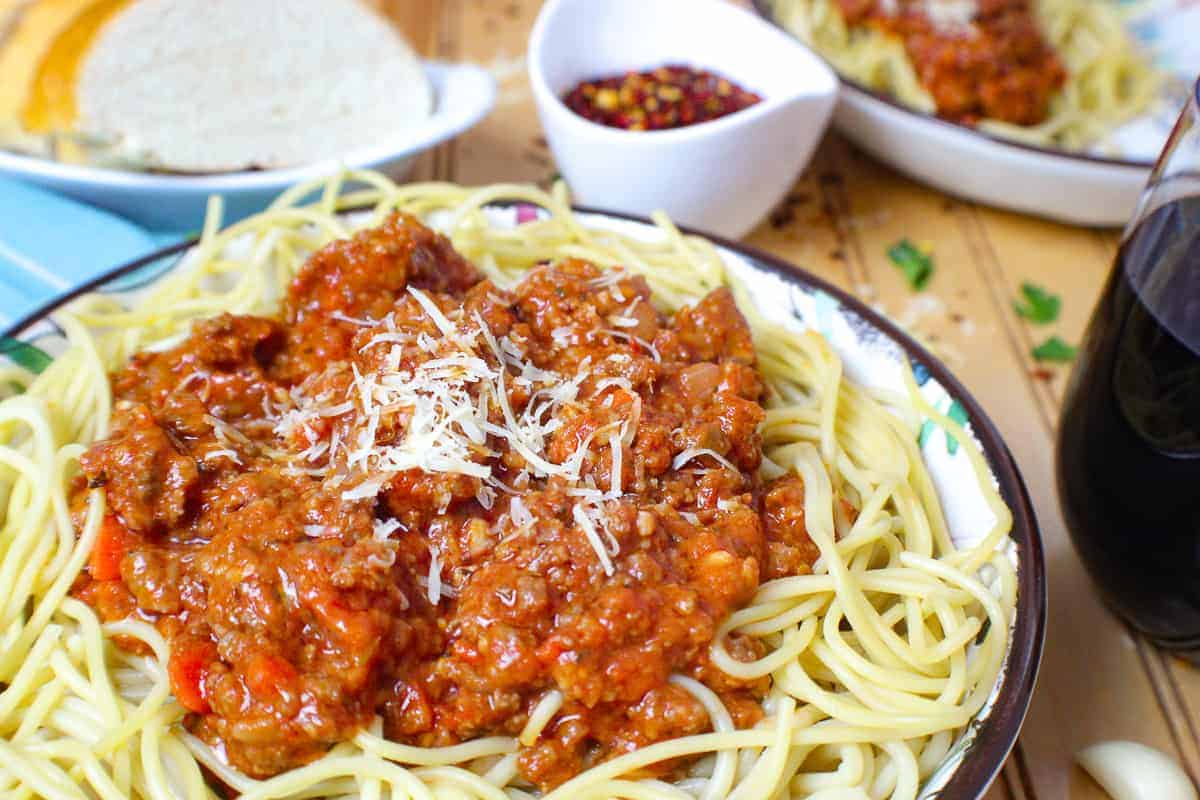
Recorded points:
429,491
1053,107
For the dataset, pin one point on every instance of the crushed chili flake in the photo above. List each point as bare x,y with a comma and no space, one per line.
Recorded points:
1042,374
672,96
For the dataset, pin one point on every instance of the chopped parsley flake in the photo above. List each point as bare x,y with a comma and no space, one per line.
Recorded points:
25,355
1055,349
916,265
1037,305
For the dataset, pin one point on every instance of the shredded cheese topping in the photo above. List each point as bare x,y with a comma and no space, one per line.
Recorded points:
441,404
693,452
951,15
589,529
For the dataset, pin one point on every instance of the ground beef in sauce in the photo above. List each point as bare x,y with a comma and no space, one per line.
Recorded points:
296,615
999,66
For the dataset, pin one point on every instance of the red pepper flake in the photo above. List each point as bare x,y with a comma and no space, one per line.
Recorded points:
1042,374
668,97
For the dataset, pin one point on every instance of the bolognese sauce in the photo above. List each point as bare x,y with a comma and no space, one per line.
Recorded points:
976,58
417,496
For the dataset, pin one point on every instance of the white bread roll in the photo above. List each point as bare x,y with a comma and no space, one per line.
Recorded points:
221,85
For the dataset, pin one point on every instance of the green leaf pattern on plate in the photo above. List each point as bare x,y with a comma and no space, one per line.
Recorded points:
957,413
25,355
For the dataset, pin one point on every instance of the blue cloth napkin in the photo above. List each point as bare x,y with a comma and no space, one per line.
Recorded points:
50,243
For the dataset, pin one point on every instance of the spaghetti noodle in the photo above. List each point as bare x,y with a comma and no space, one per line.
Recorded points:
876,661
1107,80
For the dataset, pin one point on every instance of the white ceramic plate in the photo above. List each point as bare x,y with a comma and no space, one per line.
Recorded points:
464,94
872,350
1100,187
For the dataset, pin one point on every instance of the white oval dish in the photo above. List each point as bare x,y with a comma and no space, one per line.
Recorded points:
464,94
1068,187
1082,188
723,175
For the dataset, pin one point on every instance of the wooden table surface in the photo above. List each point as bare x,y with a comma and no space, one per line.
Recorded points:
1098,680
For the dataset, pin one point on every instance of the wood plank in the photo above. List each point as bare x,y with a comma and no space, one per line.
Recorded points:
423,24
508,145
1071,262
1090,682
871,209
418,20
1178,686
1074,264
1000,789
1014,778
811,226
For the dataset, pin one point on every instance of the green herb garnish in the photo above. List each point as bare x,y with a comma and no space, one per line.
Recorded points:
1039,306
1054,349
25,355
916,265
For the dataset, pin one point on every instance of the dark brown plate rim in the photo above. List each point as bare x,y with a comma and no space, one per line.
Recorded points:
995,737
760,6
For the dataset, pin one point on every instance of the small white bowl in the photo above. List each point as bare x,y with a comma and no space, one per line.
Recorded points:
463,95
721,176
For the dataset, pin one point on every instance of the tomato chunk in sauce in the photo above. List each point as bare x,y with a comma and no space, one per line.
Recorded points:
420,497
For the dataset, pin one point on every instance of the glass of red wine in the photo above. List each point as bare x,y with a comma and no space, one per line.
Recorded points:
1129,435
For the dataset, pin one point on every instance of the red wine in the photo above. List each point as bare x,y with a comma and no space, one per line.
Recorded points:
1129,436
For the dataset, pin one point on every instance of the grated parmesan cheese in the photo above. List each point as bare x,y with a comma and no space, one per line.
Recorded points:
383,529
362,323
520,515
616,446
951,15
433,587
447,414
636,340
608,383
232,455
486,497
693,452
589,530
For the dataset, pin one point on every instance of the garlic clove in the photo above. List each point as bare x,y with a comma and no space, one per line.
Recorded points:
1133,771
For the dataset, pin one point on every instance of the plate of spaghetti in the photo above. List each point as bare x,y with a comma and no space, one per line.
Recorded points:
431,491
1059,107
